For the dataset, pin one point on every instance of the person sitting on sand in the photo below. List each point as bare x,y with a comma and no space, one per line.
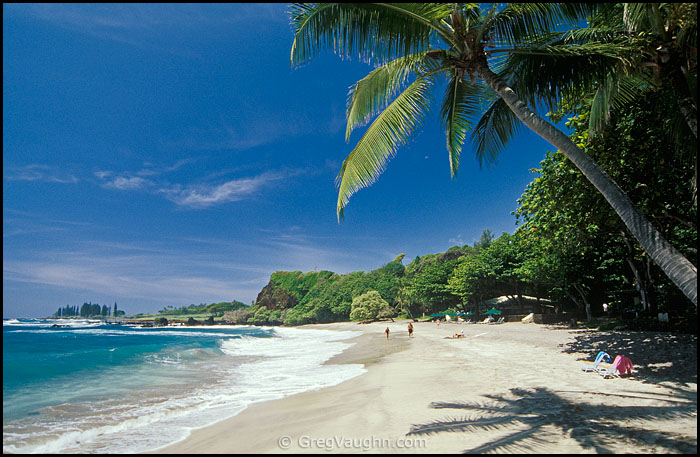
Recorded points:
410,329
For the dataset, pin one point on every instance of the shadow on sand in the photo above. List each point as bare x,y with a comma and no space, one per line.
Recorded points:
535,420
657,356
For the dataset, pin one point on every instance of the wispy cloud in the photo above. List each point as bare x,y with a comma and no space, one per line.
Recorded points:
38,172
118,270
203,196
127,183
192,195
458,240
143,25
155,170
255,126
102,278
111,180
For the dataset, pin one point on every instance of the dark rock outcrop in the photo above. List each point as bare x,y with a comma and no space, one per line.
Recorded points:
274,297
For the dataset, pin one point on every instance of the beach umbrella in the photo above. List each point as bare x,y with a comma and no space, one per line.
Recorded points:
493,311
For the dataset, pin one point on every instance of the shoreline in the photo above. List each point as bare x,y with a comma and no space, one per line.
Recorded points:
509,388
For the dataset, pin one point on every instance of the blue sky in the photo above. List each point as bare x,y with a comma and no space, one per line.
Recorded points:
160,155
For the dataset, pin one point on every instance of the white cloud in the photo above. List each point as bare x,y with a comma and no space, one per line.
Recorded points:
203,196
36,172
196,195
457,241
124,183
138,272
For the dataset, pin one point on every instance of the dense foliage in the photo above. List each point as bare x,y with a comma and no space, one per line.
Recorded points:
214,309
583,252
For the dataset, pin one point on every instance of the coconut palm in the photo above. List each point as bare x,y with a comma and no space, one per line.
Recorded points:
655,44
415,46
669,33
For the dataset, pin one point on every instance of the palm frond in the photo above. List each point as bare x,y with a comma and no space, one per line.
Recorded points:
521,20
372,93
391,129
550,73
378,32
461,102
497,126
613,92
641,16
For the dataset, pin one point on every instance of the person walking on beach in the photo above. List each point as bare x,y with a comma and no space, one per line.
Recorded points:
410,329
387,333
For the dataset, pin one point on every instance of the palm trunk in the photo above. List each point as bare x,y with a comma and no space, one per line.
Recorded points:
679,269
641,286
581,292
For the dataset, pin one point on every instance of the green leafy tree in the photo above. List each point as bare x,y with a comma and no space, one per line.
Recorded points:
473,280
582,249
505,256
400,38
367,306
428,286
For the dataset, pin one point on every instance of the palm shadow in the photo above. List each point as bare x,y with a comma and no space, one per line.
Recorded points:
529,421
657,356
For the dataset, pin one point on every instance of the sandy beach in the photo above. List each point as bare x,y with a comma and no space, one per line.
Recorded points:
511,387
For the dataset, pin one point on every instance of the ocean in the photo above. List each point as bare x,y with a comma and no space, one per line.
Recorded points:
95,388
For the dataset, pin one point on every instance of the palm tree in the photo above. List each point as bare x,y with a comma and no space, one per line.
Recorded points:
655,44
404,39
669,31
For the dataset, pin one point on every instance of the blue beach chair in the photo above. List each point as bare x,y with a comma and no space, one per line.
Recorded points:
599,358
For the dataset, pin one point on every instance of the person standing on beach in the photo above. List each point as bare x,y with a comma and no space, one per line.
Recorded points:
410,329
387,333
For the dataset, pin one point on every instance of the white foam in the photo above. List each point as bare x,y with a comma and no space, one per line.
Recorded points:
262,368
71,323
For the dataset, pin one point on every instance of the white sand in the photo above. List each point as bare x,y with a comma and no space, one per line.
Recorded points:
504,388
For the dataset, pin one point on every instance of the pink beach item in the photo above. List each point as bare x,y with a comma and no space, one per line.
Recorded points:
623,365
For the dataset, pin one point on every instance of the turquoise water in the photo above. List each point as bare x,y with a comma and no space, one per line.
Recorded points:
91,387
